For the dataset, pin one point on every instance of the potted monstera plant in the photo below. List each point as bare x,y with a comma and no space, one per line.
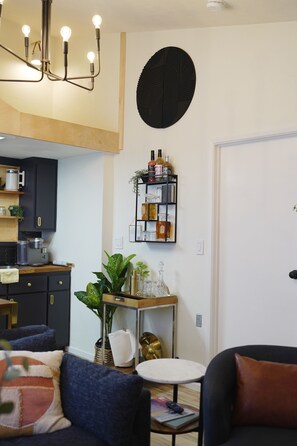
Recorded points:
117,270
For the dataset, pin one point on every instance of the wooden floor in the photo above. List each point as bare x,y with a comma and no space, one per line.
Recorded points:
186,395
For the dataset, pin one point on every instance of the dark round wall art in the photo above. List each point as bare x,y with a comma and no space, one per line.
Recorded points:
166,87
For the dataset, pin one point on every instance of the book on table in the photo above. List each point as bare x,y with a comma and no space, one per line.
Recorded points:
181,422
161,413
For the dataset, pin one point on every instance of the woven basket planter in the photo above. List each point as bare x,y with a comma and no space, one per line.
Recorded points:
108,358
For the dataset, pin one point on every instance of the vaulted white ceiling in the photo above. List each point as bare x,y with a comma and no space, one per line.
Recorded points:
149,15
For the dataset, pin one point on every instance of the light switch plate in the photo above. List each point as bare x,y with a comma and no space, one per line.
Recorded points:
200,247
118,242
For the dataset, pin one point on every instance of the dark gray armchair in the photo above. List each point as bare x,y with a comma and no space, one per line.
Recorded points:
219,392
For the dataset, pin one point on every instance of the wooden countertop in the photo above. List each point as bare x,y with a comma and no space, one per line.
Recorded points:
43,269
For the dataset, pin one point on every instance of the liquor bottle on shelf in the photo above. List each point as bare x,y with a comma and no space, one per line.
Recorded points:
151,167
159,166
167,168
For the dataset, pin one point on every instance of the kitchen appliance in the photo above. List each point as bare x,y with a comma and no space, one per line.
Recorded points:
37,253
8,253
22,252
32,252
14,179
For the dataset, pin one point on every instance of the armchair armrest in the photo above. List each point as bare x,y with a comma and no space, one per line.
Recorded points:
105,402
218,396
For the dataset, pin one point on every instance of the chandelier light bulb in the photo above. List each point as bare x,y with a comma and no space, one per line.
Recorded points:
26,30
65,33
91,56
97,20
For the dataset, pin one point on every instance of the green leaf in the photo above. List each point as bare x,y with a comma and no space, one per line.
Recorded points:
5,345
116,269
11,373
25,363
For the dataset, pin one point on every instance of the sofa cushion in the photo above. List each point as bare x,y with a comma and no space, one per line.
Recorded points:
72,436
266,393
21,332
35,394
115,396
36,343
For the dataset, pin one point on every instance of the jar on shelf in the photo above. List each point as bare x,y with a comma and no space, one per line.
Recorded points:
162,227
2,210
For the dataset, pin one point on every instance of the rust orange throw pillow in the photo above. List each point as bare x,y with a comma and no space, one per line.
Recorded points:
266,393
35,394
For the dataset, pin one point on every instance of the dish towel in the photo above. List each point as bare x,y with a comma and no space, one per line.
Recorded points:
10,275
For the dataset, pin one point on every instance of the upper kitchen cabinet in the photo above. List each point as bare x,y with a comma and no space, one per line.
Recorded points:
40,194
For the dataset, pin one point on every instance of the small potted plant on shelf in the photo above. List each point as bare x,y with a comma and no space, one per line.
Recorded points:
16,211
143,174
117,269
142,273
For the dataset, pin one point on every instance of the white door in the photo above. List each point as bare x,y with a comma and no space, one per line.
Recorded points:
257,244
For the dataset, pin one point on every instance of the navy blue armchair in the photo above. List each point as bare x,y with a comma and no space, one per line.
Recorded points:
219,393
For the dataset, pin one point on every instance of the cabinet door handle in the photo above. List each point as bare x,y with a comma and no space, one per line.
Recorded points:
60,282
52,299
29,284
39,221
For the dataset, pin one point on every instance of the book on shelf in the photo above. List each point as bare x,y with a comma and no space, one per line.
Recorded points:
161,413
181,422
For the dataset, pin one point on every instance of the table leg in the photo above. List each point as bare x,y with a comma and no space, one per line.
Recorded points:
103,332
173,330
173,440
200,428
175,397
137,337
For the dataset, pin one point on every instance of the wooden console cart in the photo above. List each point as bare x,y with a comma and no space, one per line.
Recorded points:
139,305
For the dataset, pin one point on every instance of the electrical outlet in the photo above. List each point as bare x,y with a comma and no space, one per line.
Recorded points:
199,320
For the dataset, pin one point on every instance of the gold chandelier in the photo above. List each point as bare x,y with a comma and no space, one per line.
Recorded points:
44,68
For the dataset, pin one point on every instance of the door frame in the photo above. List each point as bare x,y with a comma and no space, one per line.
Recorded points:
215,235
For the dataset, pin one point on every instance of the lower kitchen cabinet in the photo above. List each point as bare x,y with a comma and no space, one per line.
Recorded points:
58,316
43,299
27,302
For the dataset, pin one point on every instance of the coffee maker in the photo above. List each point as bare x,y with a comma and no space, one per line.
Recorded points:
32,252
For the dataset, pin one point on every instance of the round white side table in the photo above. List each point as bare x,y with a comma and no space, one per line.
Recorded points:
175,372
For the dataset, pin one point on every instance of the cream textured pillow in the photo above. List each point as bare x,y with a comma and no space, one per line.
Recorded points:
35,394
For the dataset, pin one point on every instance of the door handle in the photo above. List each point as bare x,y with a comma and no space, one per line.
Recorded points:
52,299
293,274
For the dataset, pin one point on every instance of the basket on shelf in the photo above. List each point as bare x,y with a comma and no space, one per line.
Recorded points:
108,358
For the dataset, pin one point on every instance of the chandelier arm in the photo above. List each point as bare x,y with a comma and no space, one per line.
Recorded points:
82,86
90,76
54,77
74,83
26,62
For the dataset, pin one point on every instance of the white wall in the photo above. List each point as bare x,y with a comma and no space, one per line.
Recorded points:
246,85
79,238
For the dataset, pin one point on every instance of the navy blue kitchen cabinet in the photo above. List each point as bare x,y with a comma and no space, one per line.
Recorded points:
43,298
40,194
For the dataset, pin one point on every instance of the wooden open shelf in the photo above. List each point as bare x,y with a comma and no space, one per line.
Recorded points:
8,216
11,192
